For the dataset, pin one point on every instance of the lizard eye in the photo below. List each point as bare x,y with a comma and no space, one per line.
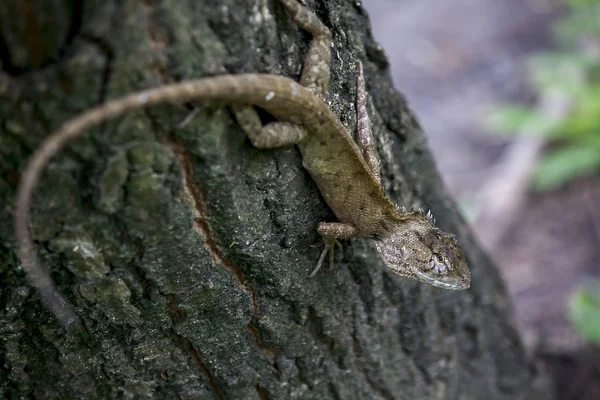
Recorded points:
439,264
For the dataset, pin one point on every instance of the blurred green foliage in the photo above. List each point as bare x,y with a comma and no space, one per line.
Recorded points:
584,312
572,78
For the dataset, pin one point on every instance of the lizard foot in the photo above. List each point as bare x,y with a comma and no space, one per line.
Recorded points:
329,248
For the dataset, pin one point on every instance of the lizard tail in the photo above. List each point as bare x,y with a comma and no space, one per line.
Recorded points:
249,89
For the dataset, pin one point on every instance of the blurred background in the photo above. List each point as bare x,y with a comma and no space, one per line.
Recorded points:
508,93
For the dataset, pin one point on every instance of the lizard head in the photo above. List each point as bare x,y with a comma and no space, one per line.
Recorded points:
416,249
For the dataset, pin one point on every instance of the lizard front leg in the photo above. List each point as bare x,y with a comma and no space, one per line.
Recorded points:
332,232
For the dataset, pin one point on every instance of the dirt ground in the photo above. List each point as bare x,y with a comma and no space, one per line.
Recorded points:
454,60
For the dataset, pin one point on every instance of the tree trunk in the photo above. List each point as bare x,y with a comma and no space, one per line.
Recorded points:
185,250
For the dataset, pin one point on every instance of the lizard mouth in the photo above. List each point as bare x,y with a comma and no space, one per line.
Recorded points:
447,283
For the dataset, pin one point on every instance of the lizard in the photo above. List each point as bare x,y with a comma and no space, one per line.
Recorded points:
346,171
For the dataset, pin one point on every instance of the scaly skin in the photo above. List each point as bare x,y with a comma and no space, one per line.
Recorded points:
409,243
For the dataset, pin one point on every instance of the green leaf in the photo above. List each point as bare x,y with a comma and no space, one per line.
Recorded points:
519,119
576,4
590,140
583,20
558,166
584,312
563,73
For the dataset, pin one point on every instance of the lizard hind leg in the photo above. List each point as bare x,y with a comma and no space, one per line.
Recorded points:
331,232
315,73
363,122
273,134
315,77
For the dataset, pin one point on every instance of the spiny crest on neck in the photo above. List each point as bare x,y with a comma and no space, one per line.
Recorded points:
415,213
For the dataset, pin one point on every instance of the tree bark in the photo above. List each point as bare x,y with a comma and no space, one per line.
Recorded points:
186,251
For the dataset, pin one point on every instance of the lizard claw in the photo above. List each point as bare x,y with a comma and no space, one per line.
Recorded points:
329,248
192,114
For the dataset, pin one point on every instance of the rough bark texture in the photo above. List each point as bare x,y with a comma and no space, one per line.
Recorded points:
186,251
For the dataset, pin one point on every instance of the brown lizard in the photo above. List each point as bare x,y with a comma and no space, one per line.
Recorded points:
347,175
